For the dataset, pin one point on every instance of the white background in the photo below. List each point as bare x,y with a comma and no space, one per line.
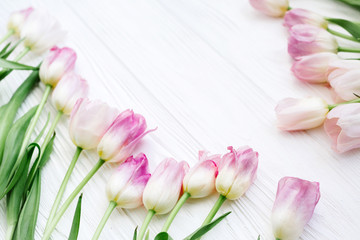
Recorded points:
208,73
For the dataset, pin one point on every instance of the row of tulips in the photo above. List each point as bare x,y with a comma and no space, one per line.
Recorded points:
315,50
95,125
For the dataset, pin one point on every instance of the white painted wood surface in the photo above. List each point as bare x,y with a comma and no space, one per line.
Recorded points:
208,73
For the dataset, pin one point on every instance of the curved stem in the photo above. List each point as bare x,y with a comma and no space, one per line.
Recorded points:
22,54
109,210
332,106
145,224
62,188
52,129
8,34
175,210
339,34
72,196
214,210
352,50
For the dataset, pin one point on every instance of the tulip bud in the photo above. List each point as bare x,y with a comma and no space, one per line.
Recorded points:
200,180
17,20
41,32
341,66
342,125
272,8
71,88
89,120
313,68
294,206
237,171
57,63
306,39
127,183
345,85
302,16
164,187
300,114
123,135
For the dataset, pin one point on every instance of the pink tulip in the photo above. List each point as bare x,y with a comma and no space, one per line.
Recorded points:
341,66
57,63
302,16
306,39
237,171
89,121
123,135
313,68
17,20
345,84
164,187
342,125
70,88
200,180
301,114
272,8
126,185
294,206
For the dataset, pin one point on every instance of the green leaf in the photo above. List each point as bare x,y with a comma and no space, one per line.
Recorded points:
163,236
8,111
135,234
15,65
6,54
258,237
353,3
352,27
204,229
74,232
37,139
3,51
28,216
147,236
12,148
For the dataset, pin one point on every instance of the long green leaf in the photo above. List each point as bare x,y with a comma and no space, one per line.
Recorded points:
163,236
12,149
6,54
29,213
8,111
74,232
353,3
204,229
15,65
135,234
5,48
352,27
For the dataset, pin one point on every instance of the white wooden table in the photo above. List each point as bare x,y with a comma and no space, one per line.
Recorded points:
208,73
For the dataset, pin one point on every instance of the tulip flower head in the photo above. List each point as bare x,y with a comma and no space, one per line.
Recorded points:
302,16
58,62
345,85
342,125
66,93
127,183
164,187
313,68
200,180
294,206
306,39
237,171
301,114
41,32
122,137
89,121
272,8
17,20
341,66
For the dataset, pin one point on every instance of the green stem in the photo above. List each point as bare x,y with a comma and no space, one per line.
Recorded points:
175,210
8,34
332,106
352,50
52,129
145,224
22,54
339,34
278,239
214,210
62,188
109,210
31,127
72,196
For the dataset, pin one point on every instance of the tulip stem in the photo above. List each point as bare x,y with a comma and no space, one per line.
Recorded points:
352,50
175,210
109,210
62,188
145,224
214,210
31,127
22,54
72,196
7,35
339,34
332,106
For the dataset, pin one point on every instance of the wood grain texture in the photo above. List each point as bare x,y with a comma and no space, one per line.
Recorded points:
208,73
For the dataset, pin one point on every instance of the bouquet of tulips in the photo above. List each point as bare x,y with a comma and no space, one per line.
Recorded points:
93,124
313,46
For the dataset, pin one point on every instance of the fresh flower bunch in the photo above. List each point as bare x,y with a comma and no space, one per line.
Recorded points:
313,46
